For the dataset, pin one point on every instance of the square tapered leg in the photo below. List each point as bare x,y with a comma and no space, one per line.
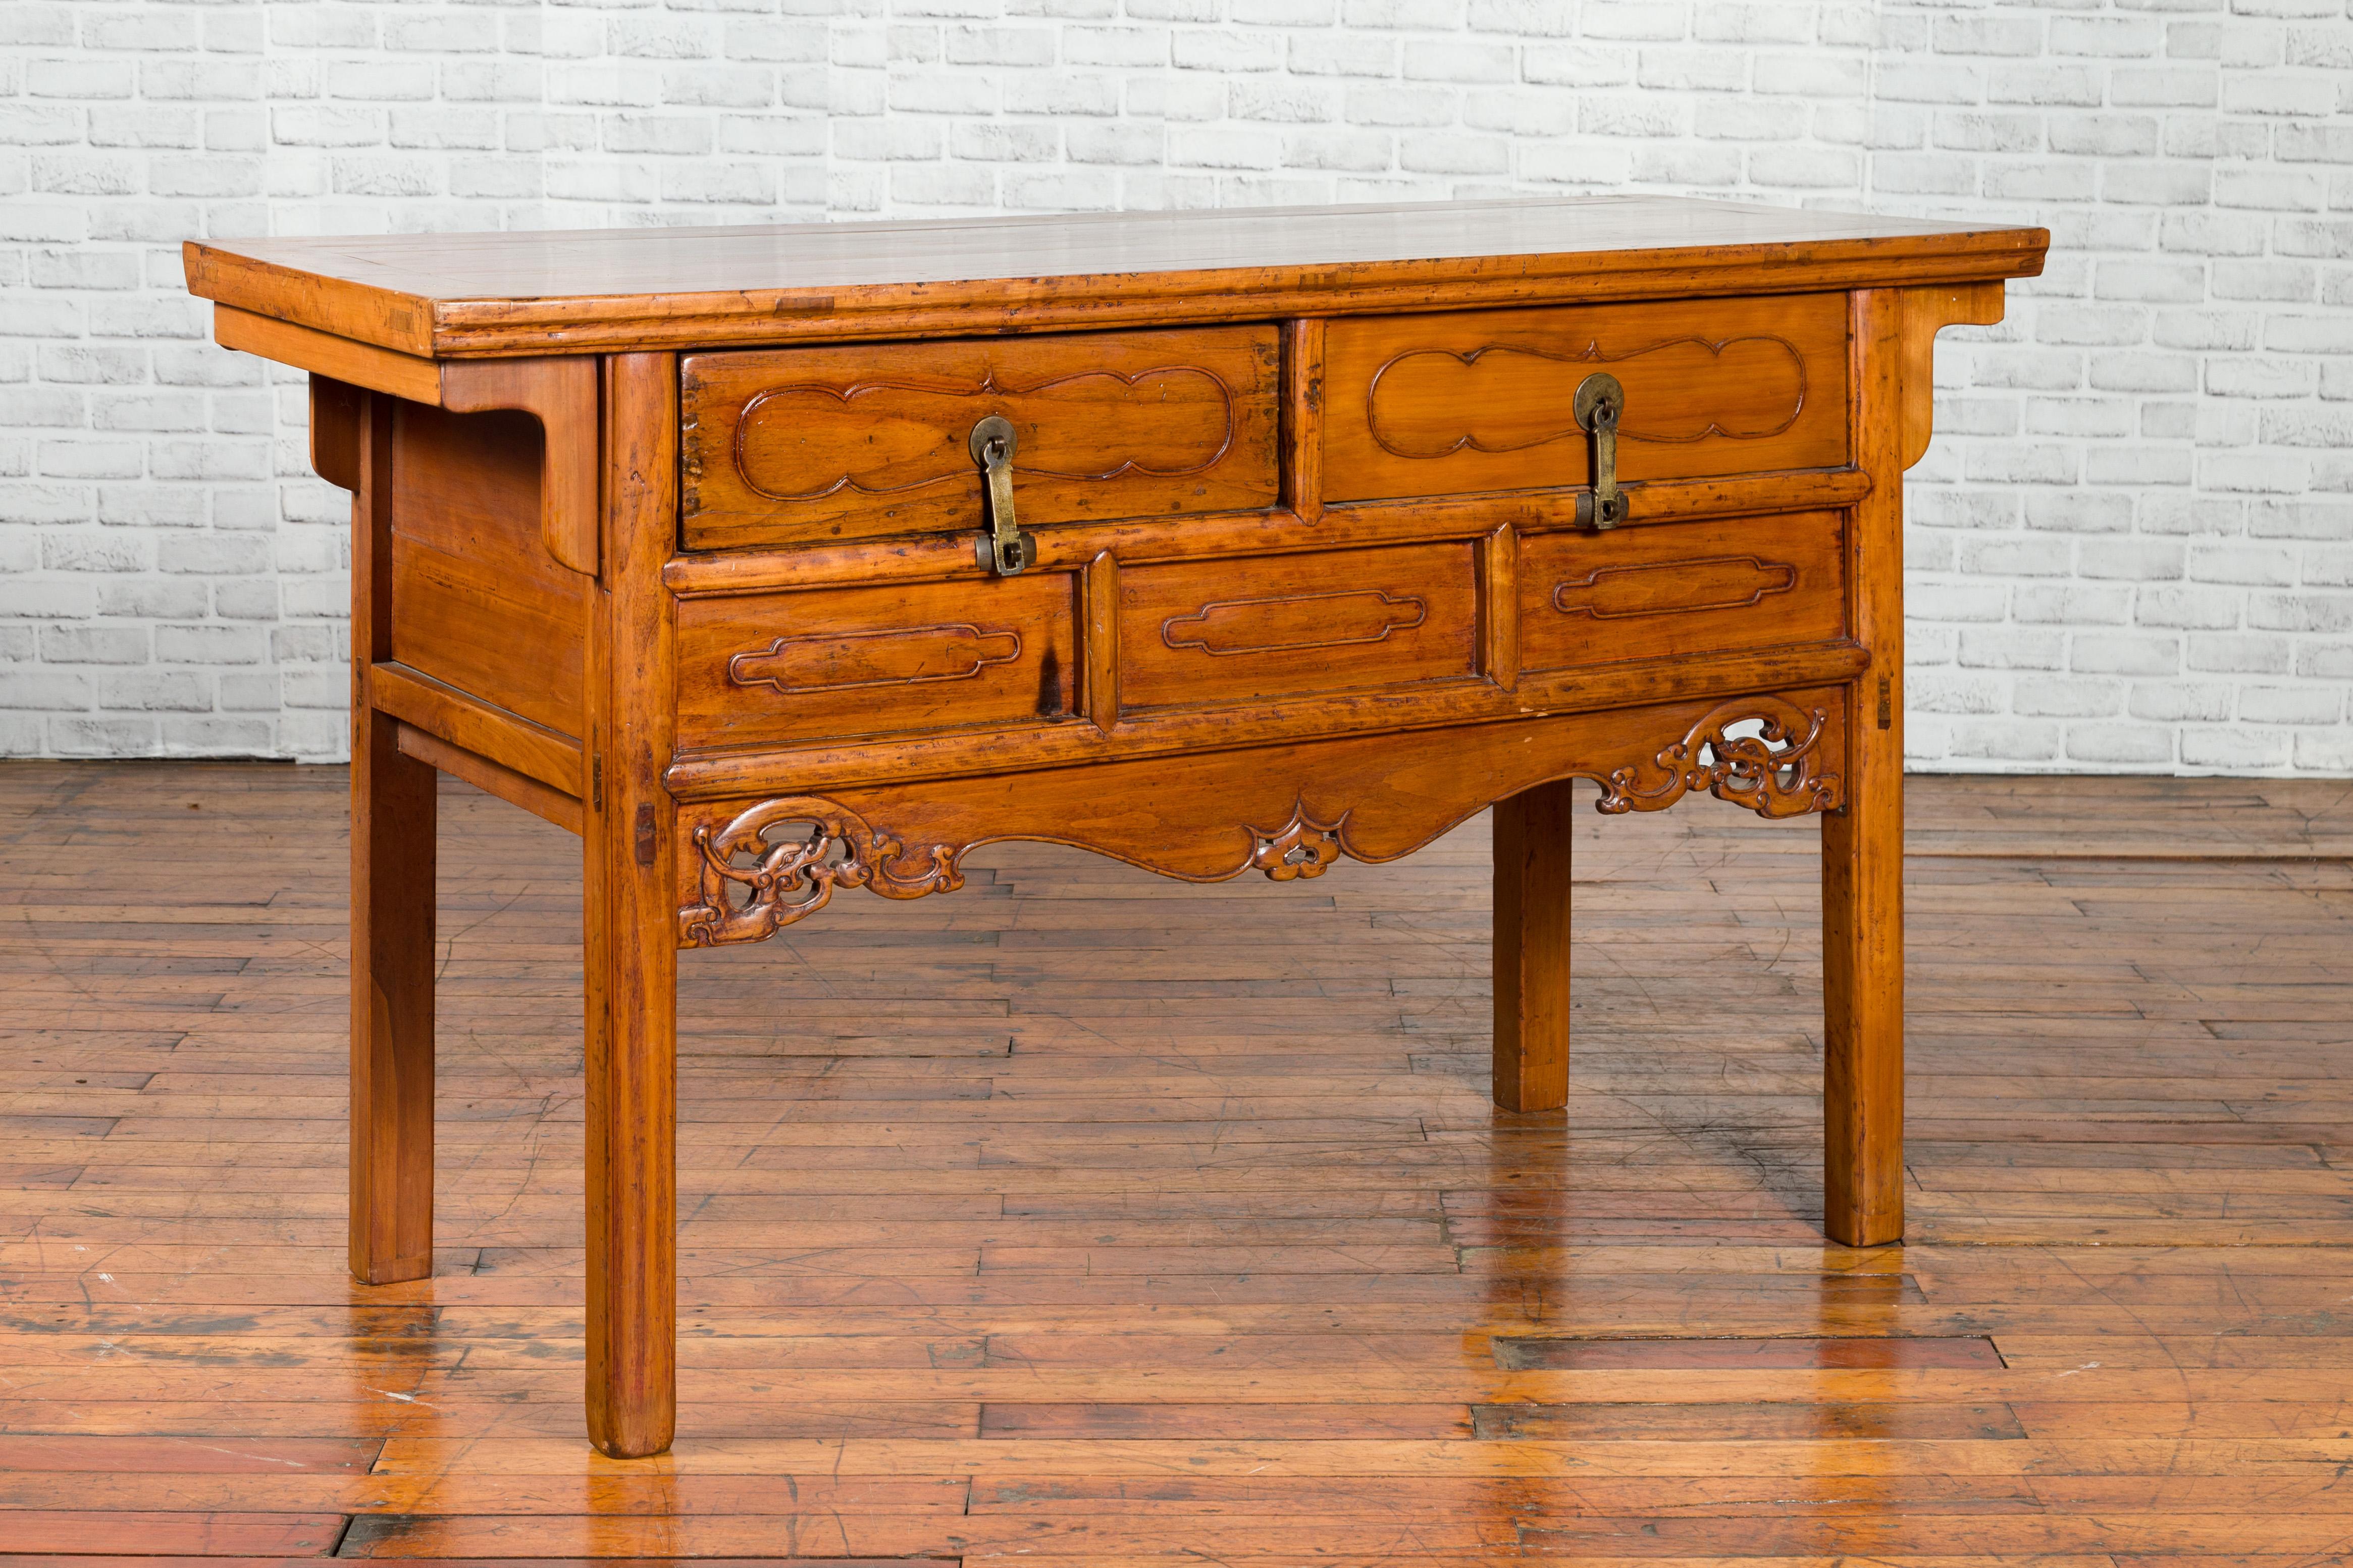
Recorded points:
392,1011
1532,925
1862,991
630,962
392,859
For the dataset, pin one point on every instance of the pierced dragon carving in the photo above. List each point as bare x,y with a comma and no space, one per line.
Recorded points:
791,878
780,860
1777,772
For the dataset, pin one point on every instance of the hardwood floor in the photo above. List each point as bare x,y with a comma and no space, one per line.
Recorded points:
1087,1218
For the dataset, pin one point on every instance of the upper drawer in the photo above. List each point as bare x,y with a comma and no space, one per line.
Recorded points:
788,446
1441,405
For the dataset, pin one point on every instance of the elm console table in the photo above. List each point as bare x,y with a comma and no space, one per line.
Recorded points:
777,561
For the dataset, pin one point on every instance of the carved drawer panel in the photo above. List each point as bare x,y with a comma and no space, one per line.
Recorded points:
1202,631
1681,588
792,445
772,668
1441,405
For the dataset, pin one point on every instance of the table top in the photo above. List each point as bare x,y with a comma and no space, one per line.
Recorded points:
595,290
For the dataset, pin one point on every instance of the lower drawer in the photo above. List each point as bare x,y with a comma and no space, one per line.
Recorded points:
1677,588
773,668
1195,633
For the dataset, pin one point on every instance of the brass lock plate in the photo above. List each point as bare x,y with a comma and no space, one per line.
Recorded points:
1600,402
1002,547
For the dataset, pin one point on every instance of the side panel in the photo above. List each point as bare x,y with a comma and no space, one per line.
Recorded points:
476,600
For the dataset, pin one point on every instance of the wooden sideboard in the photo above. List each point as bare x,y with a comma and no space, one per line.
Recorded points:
780,561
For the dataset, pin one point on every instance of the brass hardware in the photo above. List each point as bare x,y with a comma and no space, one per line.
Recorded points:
1003,547
1886,702
1598,403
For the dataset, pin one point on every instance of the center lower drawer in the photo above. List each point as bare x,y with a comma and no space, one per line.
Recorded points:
1200,633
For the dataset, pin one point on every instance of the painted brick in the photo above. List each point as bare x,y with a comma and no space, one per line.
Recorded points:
2244,653
2183,701
2121,745
2012,741
2234,749
2066,697
2012,647
2124,653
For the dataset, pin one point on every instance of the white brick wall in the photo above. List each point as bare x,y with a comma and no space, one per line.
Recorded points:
2131,548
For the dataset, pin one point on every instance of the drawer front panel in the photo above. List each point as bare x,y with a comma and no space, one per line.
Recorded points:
1449,404
860,440
773,668
1681,588
1202,631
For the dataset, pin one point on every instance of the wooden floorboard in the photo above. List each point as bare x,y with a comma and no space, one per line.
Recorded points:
1089,1219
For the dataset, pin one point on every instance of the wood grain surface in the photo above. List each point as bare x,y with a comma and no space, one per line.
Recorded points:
811,446
770,669
1589,598
750,866
1092,1218
584,290
1274,626
477,601
1464,401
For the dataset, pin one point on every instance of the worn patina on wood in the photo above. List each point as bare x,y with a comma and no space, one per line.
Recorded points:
678,539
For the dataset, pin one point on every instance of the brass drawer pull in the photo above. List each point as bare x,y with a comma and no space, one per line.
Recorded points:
1003,548
1598,403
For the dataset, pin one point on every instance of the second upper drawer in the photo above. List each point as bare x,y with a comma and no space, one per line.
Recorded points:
797,445
1449,404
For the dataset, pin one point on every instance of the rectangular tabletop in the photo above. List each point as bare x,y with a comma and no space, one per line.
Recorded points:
443,296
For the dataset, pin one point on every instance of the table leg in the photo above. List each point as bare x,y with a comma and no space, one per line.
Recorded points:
1862,987
1531,968
391,1232
631,928
392,1010
631,965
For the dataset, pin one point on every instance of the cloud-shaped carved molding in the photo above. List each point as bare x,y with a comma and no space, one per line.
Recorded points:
803,442
1293,622
1673,587
901,656
1429,401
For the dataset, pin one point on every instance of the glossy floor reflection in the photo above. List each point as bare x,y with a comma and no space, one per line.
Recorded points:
1082,1217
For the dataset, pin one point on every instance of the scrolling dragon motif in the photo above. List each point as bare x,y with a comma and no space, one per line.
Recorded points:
791,875
1777,772
778,861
